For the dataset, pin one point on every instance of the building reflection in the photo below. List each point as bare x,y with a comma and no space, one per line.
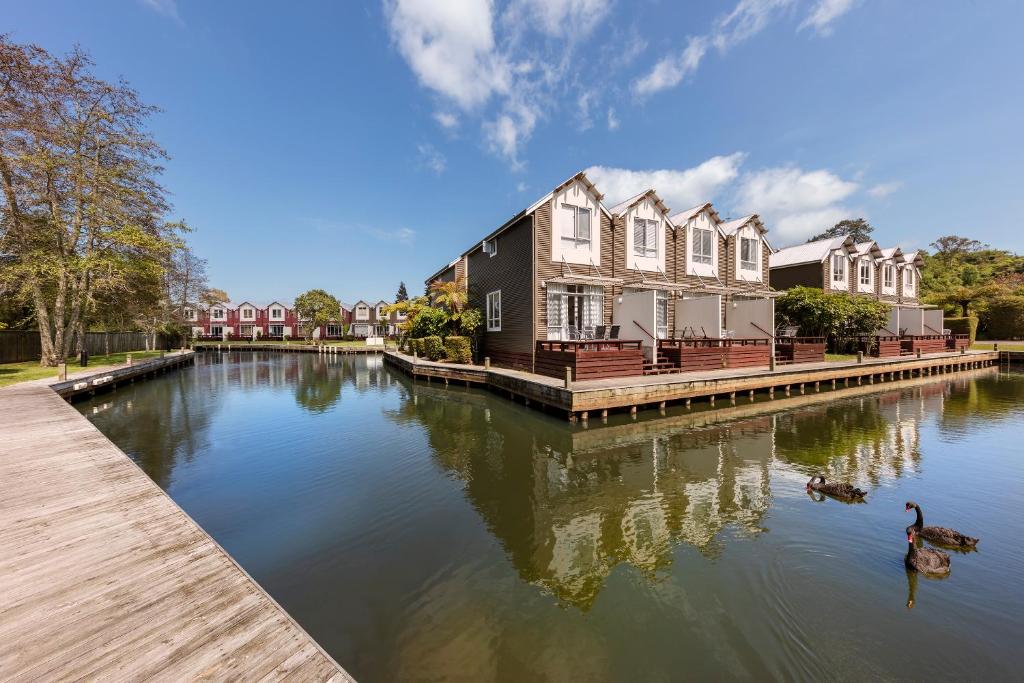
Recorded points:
570,505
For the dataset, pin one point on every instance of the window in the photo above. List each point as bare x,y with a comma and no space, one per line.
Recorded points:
703,246
216,331
490,247
889,276
908,277
838,268
661,301
576,226
248,314
748,254
245,330
218,314
645,237
334,330
580,307
494,311
276,314
362,312
865,272
190,314
277,330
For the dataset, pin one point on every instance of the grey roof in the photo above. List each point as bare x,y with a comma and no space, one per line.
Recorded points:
683,216
812,252
622,206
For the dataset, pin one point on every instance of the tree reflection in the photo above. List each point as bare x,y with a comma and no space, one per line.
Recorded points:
318,385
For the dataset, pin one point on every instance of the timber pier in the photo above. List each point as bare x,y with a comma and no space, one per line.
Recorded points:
104,577
593,398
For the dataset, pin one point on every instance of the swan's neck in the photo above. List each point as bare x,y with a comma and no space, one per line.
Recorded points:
919,524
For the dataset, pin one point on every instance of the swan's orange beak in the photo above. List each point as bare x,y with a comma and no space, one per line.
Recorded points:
910,538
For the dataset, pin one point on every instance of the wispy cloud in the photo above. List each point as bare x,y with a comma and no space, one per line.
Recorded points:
670,70
824,14
166,8
882,190
446,120
431,158
403,236
613,120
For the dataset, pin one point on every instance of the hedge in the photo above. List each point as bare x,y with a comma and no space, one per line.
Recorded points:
1005,318
968,326
433,348
458,350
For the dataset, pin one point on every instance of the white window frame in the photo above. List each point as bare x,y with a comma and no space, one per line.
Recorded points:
575,241
753,264
865,266
216,330
218,314
248,313
696,238
494,311
362,312
277,314
270,330
190,314
649,229
589,300
838,260
490,247
889,276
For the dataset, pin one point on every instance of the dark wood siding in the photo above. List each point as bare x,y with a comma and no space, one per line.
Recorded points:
807,275
511,271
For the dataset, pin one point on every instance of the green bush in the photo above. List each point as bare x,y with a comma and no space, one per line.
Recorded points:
429,322
416,346
458,350
1005,318
432,347
968,326
832,315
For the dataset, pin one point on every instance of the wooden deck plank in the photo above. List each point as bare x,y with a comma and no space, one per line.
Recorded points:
103,576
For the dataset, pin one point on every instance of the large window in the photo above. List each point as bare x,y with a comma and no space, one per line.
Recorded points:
575,226
216,331
889,276
218,314
334,330
248,314
574,310
276,314
277,330
645,237
703,246
245,330
494,311
749,254
908,277
838,268
362,312
865,272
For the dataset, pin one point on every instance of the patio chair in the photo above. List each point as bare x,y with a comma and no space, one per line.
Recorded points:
728,334
614,333
600,331
572,332
588,332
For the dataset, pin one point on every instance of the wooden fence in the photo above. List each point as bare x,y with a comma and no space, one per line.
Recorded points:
23,345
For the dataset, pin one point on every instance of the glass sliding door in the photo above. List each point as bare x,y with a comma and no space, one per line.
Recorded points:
574,311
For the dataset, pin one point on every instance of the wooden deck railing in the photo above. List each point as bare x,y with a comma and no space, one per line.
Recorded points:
588,345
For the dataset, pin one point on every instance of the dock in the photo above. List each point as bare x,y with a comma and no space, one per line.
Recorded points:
329,349
104,577
591,398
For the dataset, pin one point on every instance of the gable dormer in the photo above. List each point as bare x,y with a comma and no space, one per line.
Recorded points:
247,312
277,312
748,246
864,265
888,271
378,310
910,275
575,222
219,312
702,235
644,222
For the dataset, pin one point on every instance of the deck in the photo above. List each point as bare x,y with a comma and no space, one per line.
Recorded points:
104,577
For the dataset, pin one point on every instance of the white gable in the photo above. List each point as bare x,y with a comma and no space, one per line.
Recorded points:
570,207
645,210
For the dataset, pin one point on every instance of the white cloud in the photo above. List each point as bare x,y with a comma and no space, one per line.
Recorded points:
573,19
403,236
746,20
446,120
884,189
824,13
521,186
450,47
680,189
613,120
669,71
795,203
431,158
167,8
583,114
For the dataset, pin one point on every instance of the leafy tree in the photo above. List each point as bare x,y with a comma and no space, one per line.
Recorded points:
951,248
430,322
832,315
213,296
857,228
451,294
403,294
316,308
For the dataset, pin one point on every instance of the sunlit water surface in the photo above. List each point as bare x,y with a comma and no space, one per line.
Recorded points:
427,533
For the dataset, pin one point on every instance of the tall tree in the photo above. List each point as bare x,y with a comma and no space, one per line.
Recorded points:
212,295
857,228
402,294
316,308
950,248
80,201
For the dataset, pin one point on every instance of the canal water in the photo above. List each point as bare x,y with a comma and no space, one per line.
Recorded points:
427,533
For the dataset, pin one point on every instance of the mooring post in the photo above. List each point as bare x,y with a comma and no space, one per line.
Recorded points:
833,382
712,397
568,377
62,374
751,394
860,356
661,406
919,354
771,363
487,362
585,415
995,348
129,359
963,350
817,386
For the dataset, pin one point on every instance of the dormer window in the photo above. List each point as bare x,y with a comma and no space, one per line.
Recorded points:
277,314
865,272
190,314
248,313
703,246
490,247
749,255
838,268
218,314
908,278
362,312
576,229
889,276
645,237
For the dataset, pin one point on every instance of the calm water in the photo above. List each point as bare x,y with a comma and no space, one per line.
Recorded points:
424,533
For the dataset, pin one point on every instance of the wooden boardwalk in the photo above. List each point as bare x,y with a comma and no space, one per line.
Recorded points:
104,577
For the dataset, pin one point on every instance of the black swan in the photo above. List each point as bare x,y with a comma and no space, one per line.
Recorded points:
925,560
939,534
839,490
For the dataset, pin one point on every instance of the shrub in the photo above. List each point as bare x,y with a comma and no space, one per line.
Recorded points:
1005,318
458,350
968,326
432,347
430,322
830,314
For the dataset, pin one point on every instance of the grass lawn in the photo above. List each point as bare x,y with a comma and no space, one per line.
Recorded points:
12,373
833,357
987,346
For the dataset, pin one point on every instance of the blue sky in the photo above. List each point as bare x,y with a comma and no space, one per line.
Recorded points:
350,145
